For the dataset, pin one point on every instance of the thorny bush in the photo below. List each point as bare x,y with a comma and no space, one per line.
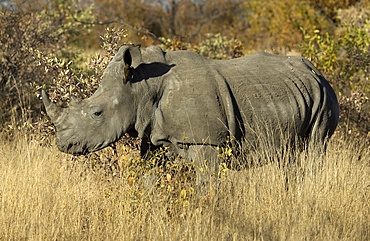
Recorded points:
33,48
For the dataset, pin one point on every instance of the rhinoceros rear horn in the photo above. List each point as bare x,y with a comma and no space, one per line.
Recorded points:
52,110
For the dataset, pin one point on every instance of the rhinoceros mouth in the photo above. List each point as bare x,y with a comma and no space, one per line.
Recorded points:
75,148
71,145
99,146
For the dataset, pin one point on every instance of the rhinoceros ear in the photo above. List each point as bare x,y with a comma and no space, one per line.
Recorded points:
132,58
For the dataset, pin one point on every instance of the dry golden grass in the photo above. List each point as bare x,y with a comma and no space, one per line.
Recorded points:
44,197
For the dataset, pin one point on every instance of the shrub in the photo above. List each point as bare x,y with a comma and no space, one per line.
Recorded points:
344,57
276,25
30,38
214,46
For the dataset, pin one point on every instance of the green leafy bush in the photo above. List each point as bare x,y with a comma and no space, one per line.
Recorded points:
34,44
214,46
344,58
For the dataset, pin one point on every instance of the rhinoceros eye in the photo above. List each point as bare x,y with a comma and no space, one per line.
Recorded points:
98,113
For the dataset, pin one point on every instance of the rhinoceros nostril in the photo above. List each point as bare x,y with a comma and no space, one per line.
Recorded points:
70,145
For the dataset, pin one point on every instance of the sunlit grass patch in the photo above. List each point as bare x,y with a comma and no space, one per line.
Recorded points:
43,196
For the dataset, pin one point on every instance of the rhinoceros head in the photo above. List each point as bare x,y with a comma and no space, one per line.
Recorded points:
93,123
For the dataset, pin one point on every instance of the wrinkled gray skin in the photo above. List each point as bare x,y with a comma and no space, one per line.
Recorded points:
193,104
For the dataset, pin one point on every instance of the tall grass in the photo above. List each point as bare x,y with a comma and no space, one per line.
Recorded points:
45,197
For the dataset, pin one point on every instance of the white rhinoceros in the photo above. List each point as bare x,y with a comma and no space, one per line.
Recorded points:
193,104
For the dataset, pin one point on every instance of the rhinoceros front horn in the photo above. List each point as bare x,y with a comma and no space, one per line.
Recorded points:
52,110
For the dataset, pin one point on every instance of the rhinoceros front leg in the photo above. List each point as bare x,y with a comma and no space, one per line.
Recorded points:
146,147
206,163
